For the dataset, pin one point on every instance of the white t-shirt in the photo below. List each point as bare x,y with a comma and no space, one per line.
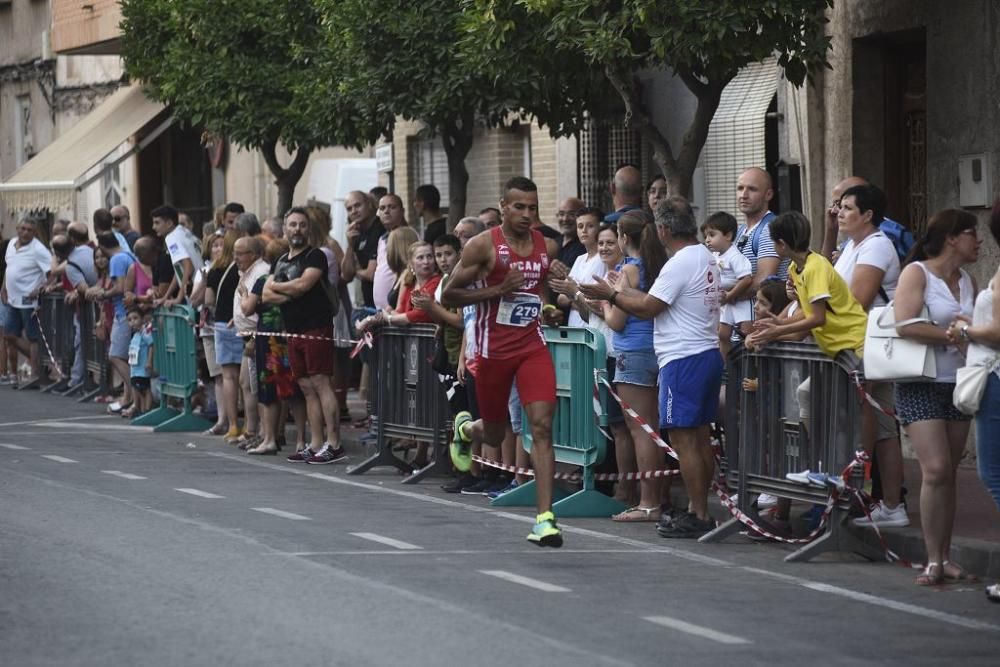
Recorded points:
27,267
874,250
181,244
583,272
384,277
689,284
733,266
247,279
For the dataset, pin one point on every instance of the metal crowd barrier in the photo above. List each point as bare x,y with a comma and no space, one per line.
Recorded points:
576,426
175,356
97,370
408,401
766,439
55,322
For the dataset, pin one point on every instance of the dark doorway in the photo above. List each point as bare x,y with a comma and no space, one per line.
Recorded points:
890,121
175,169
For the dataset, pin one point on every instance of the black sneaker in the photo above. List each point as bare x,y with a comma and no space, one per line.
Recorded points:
480,487
500,483
327,455
688,526
455,485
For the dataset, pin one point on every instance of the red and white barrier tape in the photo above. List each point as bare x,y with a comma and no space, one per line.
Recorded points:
41,330
650,431
871,400
575,476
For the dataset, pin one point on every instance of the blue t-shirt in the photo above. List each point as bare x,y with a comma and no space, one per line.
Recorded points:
637,336
138,350
118,268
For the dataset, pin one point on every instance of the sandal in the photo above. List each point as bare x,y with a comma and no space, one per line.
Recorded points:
993,593
638,514
931,576
130,412
218,429
958,575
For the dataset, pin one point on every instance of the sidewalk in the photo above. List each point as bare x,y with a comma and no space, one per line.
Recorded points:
976,544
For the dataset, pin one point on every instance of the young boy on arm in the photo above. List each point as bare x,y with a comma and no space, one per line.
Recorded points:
736,275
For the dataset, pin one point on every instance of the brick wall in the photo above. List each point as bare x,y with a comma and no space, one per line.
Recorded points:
75,26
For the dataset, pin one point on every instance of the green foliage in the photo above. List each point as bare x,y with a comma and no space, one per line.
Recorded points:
708,40
409,59
245,69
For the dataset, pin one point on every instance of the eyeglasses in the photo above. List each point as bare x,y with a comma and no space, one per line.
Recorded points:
742,243
118,218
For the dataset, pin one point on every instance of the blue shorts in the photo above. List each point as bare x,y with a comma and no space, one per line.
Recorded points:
121,336
689,390
638,368
20,320
228,346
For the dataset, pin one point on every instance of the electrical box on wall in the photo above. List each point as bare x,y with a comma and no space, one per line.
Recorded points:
974,184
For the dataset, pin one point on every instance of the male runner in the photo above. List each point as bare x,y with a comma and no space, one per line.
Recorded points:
507,268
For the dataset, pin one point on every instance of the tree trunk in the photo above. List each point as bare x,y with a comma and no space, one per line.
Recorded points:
457,139
677,170
285,178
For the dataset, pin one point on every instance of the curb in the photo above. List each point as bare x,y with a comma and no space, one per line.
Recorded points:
978,557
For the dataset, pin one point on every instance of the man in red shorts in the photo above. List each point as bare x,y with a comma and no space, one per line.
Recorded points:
298,283
503,272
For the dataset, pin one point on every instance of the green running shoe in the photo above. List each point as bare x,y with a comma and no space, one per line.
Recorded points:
546,533
460,449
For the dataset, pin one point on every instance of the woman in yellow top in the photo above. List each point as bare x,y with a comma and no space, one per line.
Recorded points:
833,316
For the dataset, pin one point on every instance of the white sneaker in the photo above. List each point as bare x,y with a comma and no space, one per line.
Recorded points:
799,477
766,501
883,516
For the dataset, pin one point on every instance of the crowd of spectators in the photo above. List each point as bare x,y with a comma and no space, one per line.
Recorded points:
276,322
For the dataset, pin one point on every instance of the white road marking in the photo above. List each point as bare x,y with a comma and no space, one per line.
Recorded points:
388,541
282,514
526,581
457,552
200,494
49,421
573,530
6,445
123,475
58,459
96,427
697,630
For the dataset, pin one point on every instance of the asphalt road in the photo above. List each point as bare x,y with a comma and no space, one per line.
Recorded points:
123,547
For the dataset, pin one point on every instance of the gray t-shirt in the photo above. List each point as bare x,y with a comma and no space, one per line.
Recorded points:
80,266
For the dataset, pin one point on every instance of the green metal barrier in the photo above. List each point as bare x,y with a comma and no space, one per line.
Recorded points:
176,358
576,353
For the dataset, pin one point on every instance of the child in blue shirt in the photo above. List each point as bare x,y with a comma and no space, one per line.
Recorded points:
140,361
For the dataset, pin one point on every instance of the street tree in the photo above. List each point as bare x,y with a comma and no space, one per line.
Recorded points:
704,43
246,70
406,58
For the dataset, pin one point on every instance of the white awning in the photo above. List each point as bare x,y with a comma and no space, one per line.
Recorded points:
83,153
736,136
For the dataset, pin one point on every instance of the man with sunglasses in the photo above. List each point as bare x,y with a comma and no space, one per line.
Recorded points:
121,220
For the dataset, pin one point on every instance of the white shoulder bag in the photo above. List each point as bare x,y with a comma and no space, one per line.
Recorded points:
890,357
970,383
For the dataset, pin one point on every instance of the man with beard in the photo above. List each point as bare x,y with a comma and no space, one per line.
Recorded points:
299,285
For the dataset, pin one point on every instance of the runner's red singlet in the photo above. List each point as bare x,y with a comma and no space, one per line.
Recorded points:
510,326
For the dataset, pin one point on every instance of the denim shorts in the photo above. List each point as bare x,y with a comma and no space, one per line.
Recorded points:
15,321
228,346
638,368
121,336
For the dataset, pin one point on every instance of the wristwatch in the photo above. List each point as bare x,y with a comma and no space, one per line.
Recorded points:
963,332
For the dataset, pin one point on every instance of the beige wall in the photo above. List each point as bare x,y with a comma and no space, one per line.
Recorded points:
78,24
497,155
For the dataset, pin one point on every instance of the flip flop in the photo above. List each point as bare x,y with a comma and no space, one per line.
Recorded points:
638,515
